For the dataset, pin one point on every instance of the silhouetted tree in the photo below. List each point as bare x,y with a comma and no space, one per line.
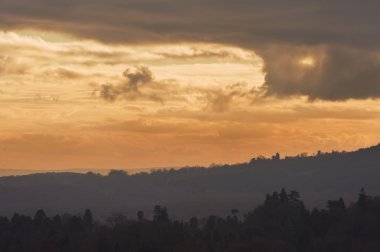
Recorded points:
160,214
140,215
362,199
87,218
193,224
116,219
280,224
40,217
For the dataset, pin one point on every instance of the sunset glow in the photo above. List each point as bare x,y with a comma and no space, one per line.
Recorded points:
74,97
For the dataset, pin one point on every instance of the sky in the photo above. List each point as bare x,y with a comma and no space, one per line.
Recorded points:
137,84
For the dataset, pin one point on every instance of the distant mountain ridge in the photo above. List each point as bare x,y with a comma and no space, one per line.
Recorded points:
196,190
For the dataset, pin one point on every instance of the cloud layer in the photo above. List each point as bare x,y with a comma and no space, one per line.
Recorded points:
184,82
346,30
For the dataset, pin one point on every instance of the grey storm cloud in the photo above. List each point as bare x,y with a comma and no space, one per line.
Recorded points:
345,33
334,73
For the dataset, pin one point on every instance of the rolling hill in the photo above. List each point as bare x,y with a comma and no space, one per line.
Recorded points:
196,190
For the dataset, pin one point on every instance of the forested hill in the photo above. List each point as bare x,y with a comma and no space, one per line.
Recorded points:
280,224
196,191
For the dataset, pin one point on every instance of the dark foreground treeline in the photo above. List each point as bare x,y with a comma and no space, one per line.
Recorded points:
281,223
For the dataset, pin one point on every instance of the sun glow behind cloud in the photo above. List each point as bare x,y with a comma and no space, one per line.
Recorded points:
200,105
308,61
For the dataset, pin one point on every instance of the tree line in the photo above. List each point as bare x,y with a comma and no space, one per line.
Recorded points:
281,223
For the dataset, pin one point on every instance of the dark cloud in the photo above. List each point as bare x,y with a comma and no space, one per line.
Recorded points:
140,76
347,31
134,79
328,73
250,23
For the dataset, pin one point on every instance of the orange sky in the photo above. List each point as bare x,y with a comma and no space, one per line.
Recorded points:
70,103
